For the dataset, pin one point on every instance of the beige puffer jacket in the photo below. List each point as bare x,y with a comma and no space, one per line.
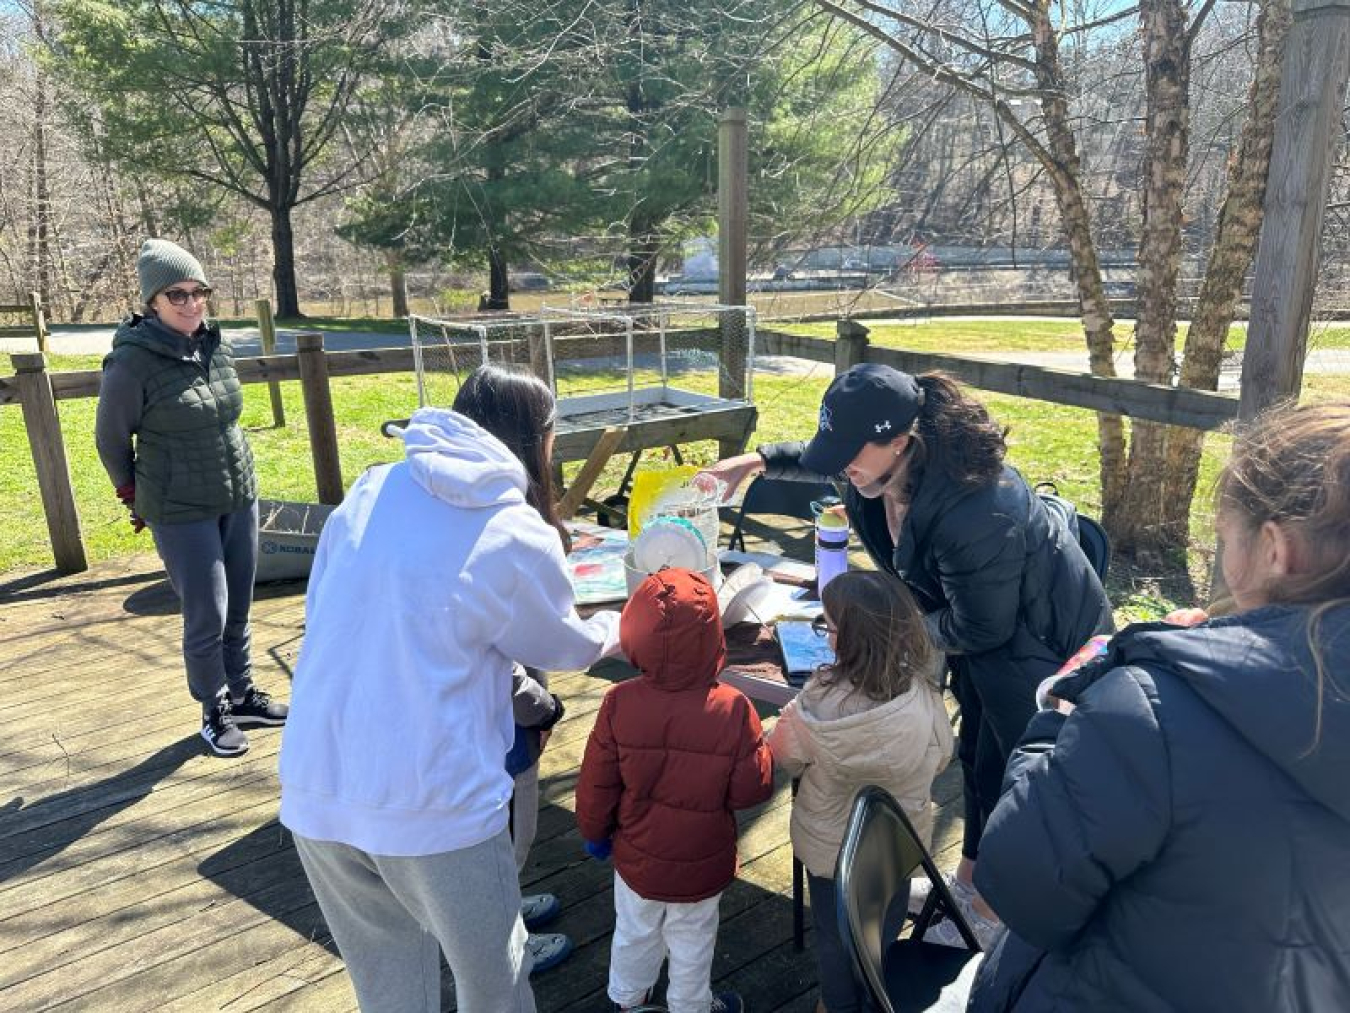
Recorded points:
838,741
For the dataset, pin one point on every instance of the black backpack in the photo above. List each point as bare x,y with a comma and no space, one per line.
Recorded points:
1091,536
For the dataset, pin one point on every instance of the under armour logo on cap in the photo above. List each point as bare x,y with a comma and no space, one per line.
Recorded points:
883,426
825,416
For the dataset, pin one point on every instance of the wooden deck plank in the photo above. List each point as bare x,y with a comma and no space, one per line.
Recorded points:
137,873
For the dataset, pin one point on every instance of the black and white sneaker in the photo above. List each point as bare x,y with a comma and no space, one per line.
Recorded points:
257,710
222,735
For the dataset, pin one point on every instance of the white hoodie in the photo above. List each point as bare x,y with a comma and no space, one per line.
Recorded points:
429,580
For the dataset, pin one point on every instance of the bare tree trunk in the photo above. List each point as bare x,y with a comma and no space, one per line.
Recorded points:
40,212
1167,61
643,248
642,242
398,282
1065,174
283,263
1230,258
499,284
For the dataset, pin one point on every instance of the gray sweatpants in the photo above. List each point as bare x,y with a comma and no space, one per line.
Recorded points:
387,915
211,565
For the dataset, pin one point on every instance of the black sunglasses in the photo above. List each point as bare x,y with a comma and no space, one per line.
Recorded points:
180,296
821,627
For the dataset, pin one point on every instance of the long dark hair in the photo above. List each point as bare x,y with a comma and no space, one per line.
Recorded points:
955,434
881,639
517,408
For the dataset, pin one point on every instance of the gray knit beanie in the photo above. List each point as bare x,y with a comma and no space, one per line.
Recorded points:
161,263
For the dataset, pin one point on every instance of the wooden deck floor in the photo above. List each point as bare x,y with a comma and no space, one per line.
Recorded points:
138,873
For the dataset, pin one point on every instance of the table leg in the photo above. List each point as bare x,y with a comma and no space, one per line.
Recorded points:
798,893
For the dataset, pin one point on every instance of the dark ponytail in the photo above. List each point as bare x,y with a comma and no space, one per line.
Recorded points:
517,408
955,435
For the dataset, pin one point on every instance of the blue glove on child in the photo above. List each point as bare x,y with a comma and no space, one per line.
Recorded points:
599,850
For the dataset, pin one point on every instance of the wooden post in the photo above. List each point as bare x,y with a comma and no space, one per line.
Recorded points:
1312,88
851,346
49,459
732,215
267,334
537,350
323,444
732,206
39,320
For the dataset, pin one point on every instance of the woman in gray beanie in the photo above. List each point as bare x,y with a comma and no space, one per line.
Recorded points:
168,435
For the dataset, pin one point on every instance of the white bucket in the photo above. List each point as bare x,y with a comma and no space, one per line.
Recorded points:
633,576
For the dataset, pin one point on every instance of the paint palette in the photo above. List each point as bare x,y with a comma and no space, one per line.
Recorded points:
670,541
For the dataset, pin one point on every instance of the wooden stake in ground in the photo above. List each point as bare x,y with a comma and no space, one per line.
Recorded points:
1312,90
49,460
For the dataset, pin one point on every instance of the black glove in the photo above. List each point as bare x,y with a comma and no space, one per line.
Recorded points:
558,711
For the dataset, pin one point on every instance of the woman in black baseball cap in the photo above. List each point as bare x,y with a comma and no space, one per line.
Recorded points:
1007,593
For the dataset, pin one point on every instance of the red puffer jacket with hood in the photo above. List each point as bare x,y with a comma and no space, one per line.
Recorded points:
673,753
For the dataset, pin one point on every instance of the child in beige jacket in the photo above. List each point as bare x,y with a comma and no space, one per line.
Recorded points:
873,717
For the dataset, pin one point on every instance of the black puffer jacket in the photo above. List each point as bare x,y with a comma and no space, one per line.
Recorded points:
1175,844
1007,590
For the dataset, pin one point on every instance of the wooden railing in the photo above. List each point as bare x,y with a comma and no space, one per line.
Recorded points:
38,391
35,327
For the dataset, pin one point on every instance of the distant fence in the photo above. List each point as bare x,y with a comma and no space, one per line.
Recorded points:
37,391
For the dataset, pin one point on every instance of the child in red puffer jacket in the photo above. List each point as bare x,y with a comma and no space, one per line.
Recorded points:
673,754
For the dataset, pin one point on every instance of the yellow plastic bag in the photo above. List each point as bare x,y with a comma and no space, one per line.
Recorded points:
648,487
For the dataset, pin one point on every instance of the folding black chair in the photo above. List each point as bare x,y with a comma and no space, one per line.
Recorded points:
777,496
881,852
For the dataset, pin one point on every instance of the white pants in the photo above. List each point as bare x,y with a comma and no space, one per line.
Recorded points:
645,932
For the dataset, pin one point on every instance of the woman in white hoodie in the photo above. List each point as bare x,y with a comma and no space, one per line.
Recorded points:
434,575
873,717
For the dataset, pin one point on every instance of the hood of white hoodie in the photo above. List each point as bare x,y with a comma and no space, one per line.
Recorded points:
460,462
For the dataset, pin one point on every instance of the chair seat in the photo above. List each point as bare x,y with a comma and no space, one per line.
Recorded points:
926,976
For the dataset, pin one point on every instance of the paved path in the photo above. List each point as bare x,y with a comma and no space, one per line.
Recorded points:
96,340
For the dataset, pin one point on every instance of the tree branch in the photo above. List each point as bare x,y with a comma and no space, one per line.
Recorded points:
946,74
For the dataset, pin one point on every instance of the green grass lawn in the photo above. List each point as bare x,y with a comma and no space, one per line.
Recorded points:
374,325
957,337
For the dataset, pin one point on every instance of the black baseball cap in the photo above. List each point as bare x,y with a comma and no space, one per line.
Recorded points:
869,403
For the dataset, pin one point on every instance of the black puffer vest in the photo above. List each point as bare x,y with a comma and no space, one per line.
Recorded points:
192,460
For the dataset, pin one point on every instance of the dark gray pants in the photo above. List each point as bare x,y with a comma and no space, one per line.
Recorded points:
840,990
211,565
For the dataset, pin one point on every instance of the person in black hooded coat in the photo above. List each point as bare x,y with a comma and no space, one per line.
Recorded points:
1176,821
1007,592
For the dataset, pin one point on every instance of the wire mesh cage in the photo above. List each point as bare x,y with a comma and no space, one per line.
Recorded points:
607,366
628,364
446,351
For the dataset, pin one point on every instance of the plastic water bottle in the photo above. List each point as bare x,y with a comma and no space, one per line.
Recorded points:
831,545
